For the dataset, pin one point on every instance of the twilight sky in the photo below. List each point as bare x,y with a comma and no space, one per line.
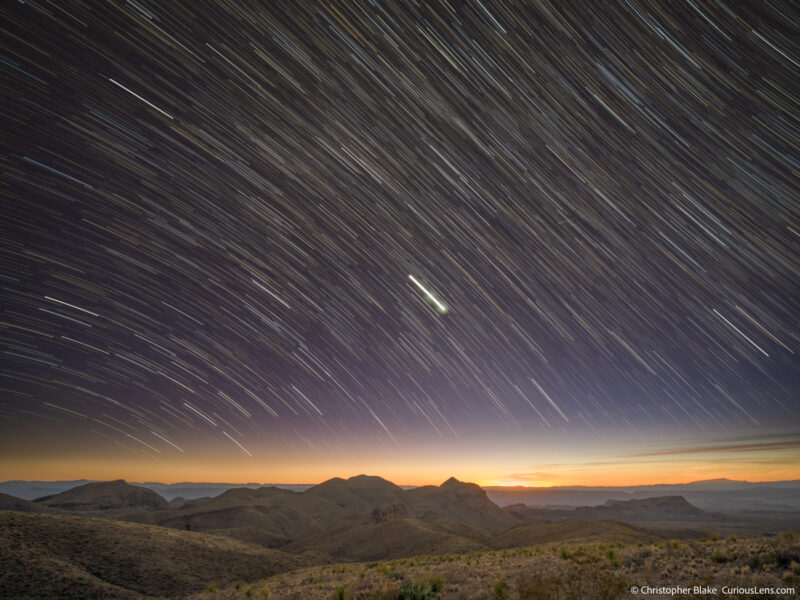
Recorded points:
540,243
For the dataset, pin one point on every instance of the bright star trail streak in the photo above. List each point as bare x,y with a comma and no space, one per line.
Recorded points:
140,98
210,211
227,435
438,304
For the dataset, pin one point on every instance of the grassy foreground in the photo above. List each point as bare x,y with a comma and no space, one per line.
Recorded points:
64,557
552,572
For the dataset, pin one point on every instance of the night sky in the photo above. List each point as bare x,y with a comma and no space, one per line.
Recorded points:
541,243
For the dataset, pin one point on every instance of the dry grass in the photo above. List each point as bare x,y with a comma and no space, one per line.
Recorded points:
553,572
65,557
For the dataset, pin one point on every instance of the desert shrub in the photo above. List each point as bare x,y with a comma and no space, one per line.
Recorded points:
787,535
212,587
718,557
341,593
565,554
248,592
436,582
265,593
500,590
394,574
613,558
419,590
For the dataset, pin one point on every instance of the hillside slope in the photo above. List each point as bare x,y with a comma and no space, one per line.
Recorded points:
8,502
62,556
395,539
584,530
105,495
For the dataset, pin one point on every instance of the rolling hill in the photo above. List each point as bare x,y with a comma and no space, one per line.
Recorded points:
13,503
395,539
106,495
60,556
584,530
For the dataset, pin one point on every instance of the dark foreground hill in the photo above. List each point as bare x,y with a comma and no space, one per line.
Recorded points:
56,556
106,495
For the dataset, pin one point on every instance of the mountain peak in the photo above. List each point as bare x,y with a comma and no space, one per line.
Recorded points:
455,485
105,495
367,479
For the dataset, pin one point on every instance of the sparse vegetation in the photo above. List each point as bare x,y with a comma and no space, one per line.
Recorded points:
718,556
499,590
591,570
427,589
76,557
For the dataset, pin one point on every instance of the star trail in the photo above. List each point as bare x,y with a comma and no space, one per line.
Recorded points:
302,234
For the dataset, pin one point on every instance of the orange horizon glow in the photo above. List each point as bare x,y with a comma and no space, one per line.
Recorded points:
400,483
622,475
488,462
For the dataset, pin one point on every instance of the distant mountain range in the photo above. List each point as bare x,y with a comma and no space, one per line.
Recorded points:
566,495
30,490
723,495
276,517
356,518
361,518
366,516
648,510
